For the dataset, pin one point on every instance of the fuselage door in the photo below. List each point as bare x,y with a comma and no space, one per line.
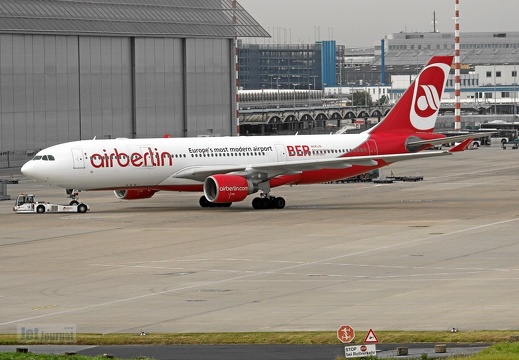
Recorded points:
282,153
373,149
78,158
148,157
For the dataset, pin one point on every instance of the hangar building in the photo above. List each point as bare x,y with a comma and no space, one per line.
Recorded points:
72,70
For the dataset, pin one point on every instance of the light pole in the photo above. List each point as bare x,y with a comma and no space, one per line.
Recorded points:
277,85
515,95
495,91
324,94
263,108
313,76
295,86
309,91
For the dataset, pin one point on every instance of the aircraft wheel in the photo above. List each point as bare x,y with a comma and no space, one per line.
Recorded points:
82,208
279,203
272,203
204,202
40,209
265,203
226,204
256,203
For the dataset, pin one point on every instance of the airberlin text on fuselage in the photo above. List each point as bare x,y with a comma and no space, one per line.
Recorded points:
150,157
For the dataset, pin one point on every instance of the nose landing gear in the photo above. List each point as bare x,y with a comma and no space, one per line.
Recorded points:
73,194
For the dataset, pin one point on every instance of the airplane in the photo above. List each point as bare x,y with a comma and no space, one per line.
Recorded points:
228,169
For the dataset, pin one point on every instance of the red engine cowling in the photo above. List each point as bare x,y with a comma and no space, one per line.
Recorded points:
227,188
134,194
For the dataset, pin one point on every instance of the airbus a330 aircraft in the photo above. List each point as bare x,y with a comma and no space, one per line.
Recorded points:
229,169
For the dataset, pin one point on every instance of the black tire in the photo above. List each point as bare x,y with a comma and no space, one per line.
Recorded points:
256,203
265,203
40,209
82,208
203,202
74,202
279,203
272,203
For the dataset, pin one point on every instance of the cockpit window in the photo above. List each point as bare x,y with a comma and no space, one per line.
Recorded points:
45,158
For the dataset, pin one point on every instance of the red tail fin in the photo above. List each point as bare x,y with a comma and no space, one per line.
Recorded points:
417,109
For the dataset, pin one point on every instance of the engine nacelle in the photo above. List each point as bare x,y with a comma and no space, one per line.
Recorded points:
134,194
227,188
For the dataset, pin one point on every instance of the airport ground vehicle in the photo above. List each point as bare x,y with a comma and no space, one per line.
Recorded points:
474,144
26,203
513,143
366,177
502,131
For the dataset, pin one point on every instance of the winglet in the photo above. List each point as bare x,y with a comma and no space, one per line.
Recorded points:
461,146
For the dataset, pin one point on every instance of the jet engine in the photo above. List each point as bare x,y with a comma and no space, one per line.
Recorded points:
134,194
227,188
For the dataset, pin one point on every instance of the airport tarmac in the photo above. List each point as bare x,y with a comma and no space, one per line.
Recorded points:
427,255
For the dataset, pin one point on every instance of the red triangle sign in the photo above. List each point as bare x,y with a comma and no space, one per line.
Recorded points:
371,337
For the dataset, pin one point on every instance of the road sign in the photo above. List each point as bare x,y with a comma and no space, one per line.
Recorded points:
360,351
371,337
345,333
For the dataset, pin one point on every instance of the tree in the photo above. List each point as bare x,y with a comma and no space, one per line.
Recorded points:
362,98
383,99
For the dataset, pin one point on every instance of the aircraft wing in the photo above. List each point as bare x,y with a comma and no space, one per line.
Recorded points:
199,173
448,139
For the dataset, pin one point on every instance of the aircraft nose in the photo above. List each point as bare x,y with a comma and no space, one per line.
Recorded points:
28,169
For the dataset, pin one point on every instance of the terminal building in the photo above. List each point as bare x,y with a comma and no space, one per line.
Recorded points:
489,65
406,53
72,70
272,66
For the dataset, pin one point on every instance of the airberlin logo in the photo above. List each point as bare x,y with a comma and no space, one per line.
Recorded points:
148,157
428,102
427,95
226,188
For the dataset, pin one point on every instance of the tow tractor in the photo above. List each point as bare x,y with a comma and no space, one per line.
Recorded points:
26,203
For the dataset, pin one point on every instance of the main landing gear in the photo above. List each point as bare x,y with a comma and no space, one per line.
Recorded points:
268,202
261,202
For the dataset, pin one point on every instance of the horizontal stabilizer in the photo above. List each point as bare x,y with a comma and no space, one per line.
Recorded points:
461,146
448,139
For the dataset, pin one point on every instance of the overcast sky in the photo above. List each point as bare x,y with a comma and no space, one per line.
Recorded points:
364,22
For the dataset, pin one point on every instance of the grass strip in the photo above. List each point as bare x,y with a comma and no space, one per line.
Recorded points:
388,337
